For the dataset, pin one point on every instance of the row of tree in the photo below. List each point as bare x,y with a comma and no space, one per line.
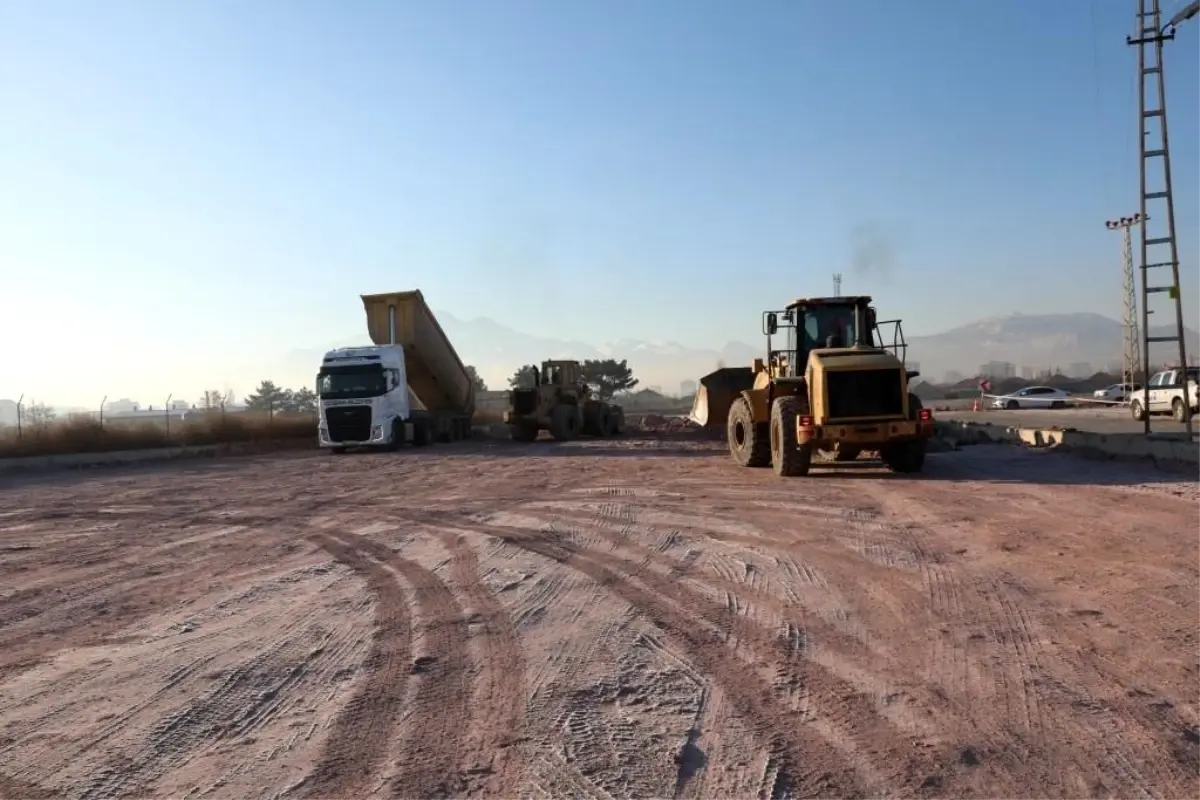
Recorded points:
606,377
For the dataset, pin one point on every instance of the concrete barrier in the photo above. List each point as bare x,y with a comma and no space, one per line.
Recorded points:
1163,448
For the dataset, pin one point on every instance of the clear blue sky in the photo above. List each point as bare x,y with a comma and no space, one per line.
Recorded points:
186,187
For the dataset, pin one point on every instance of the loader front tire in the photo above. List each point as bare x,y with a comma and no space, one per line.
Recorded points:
788,456
524,431
749,442
564,423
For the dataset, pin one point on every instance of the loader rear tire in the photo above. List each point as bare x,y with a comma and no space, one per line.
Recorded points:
618,420
788,456
749,442
564,423
603,421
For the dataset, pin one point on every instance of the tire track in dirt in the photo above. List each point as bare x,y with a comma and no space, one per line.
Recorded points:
361,734
829,647
1045,707
86,613
432,754
499,699
783,731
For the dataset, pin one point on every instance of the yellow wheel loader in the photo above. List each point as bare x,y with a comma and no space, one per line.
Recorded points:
555,398
834,387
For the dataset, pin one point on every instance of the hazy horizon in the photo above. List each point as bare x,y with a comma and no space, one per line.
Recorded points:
196,190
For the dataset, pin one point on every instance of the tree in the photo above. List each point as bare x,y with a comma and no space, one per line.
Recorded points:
522,378
212,399
608,376
480,384
267,397
35,414
304,400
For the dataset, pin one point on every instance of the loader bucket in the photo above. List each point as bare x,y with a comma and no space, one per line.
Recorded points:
716,394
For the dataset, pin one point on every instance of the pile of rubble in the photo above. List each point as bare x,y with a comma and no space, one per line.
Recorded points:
660,426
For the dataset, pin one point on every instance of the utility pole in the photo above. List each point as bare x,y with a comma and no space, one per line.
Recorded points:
837,284
1130,358
1152,122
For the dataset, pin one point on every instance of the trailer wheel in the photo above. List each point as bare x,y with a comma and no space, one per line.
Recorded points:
420,433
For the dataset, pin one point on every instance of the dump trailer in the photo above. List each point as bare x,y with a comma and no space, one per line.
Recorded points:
410,386
836,387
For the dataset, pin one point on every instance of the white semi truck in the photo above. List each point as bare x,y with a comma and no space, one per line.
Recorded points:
410,386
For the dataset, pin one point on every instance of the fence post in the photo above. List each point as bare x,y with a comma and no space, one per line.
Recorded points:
20,404
102,402
168,415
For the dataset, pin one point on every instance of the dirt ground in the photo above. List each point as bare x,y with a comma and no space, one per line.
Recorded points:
634,619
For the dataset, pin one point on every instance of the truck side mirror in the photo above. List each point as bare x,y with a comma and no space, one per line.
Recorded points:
772,324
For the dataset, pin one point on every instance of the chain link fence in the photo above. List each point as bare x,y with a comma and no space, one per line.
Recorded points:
36,429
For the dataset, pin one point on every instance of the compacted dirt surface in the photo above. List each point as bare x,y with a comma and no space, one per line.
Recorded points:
633,619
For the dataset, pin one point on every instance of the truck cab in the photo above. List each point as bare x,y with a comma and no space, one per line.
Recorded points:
363,398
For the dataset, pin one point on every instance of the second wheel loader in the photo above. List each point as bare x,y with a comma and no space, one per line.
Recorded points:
833,388
556,398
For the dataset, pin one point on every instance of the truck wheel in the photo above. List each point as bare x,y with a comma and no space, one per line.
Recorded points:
1135,408
749,442
904,457
788,457
420,434
523,432
617,416
564,423
1179,410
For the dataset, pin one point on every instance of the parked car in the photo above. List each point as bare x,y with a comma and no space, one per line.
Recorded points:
1118,392
1033,397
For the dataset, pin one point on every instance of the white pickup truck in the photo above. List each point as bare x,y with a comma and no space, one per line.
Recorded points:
1172,391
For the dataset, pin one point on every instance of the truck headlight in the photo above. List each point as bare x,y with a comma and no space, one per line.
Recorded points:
377,432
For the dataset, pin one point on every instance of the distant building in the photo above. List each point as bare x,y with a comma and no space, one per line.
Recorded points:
122,406
954,376
1028,372
998,370
687,388
1079,369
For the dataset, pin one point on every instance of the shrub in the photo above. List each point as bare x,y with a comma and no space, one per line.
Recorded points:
85,434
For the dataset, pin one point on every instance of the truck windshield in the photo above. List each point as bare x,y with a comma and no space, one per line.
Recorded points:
349,382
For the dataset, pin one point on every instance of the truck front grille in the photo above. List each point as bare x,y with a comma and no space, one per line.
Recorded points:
865,393
348,423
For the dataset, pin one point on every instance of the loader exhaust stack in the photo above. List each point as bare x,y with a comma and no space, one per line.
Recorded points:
716,393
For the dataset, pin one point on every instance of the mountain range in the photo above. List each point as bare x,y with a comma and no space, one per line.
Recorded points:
1030,340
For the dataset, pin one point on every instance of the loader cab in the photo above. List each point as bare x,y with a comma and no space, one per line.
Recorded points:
561,373
818,323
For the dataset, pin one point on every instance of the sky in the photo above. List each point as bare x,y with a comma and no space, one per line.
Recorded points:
190,189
